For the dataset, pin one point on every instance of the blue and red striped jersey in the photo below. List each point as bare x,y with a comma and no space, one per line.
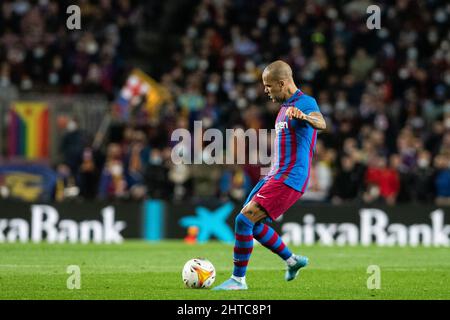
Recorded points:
295,143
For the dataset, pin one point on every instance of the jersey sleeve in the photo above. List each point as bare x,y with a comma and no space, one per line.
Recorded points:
307,105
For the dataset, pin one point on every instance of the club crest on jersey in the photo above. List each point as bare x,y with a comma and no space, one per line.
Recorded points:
280,126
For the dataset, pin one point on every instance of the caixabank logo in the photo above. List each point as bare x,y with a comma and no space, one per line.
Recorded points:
373,227
310,224
69,224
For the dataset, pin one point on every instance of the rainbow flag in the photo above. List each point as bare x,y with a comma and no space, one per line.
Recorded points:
28,130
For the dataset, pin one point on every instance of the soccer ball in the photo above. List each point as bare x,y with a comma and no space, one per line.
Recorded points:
198,273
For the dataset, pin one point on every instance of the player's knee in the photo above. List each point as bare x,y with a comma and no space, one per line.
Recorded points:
253,212
242,220
250,209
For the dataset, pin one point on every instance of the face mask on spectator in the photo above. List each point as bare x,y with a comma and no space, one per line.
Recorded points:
76,79
71,126
432,36
241,103
157,160
229,64
423,163
262,23
116,169
26,84
38,52
378,76
203,64
16,55
440,16
212,87
207,122
447,78
447,123
21,7
251,93
53,78
4,81
447,107
412,53
192,32
284,16
92,47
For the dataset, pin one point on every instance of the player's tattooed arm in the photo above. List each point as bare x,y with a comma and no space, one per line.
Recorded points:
314,118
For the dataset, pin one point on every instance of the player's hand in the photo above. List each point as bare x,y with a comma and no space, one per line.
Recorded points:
293,112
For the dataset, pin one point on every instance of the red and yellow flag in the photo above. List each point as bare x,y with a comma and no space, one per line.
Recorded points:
140,86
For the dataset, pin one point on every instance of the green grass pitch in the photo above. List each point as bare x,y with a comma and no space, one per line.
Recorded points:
142,270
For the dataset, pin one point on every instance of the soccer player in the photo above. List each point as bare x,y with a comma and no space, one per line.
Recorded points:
296,128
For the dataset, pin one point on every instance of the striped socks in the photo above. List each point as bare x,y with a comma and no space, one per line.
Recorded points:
271,240
243,246
245,231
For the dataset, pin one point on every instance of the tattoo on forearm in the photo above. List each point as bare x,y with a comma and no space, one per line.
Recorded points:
315,122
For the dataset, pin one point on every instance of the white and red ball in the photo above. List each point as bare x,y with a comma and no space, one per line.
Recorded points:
198,273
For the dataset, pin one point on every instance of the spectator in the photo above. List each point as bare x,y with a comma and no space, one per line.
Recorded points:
235,184
89,173
382,182
442,179
72,145
423,186
180,176
112,180
156,176
136,161
348,181
320,174
406,179
65,183
361,65
205,179
381,92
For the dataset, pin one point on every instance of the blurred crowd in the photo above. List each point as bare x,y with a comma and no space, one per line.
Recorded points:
385,95
39,54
